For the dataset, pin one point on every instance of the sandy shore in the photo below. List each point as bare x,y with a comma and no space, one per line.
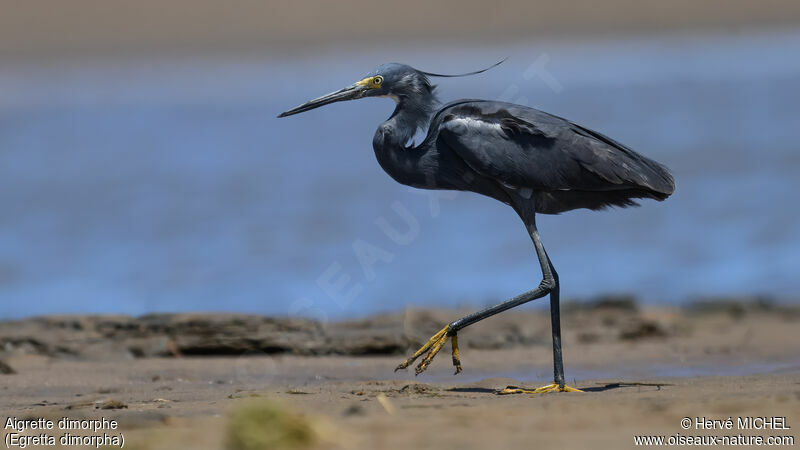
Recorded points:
643,370
41,30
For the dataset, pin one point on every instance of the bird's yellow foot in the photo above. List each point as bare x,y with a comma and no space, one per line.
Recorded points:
540,390
430,349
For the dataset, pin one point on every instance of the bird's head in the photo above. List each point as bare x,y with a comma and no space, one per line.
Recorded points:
393,80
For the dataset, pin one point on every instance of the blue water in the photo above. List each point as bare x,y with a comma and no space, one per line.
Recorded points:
143,185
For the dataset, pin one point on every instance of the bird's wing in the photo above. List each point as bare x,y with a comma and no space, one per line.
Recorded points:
527,148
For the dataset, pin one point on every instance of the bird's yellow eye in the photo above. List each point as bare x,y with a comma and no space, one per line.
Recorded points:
377,80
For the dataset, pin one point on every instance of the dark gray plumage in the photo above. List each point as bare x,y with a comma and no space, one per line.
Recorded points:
531,160
520,156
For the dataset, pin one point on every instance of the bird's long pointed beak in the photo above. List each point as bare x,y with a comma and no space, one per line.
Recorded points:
349,93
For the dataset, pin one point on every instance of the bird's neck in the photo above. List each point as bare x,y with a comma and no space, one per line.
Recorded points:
393,137
410,115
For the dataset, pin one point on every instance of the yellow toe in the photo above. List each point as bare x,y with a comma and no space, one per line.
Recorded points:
540,390
430,349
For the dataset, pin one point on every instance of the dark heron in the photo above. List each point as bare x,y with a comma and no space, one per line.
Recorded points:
533,161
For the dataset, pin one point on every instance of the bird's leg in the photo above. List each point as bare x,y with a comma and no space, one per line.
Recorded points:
548,284
451,330
555,325
558,363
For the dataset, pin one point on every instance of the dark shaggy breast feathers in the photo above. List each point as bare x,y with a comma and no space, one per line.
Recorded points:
564,165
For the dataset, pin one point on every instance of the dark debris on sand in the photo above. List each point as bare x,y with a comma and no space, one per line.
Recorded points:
5,369
612,318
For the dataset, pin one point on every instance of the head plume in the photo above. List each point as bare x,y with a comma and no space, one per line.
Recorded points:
441,75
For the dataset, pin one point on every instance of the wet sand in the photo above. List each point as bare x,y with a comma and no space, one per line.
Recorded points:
643,370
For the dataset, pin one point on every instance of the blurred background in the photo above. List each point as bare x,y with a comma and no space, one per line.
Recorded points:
142,168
